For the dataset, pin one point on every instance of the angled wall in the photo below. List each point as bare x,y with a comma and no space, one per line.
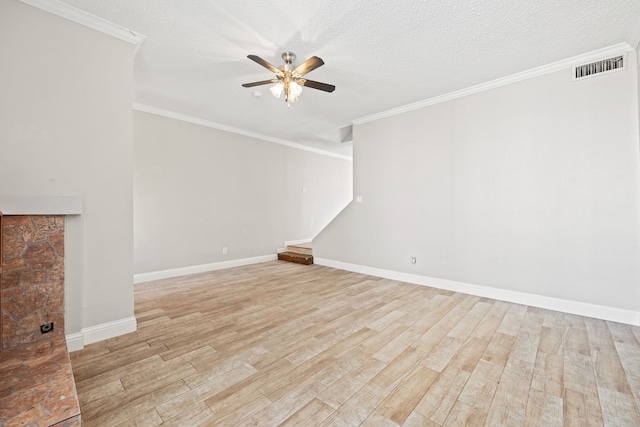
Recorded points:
523,191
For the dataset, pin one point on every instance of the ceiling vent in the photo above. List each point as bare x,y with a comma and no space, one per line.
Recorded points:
599,67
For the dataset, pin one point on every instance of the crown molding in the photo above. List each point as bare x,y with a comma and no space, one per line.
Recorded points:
206,123
88,20
514,78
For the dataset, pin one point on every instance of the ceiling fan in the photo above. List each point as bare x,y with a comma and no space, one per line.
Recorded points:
289,80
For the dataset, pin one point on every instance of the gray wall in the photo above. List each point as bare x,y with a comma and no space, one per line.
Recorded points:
65,130
198,189
531,187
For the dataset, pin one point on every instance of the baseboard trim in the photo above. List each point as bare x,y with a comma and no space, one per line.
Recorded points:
566,306
75,341
202,268
104,331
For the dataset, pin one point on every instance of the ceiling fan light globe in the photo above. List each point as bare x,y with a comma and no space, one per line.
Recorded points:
277,89
295,90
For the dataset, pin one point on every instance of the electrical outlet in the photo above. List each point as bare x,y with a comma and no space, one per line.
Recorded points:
46,328
413,260
224,250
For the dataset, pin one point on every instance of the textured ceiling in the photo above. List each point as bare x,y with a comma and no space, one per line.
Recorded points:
380,54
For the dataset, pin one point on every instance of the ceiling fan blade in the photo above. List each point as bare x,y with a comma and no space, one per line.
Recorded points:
263,82
317,85
308,65
264,63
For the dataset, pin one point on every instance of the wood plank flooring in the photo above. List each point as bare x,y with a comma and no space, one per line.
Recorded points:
285,344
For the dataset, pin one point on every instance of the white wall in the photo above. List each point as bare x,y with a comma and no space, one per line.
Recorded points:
65,130
531,187
198,189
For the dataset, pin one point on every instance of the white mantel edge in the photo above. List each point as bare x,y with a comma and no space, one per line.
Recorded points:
37,205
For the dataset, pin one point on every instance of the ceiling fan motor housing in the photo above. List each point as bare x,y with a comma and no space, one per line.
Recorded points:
288,58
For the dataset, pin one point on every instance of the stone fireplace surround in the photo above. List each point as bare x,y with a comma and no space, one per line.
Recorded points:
32,278
36,380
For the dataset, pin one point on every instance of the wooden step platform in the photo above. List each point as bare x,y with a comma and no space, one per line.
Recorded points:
305,259
301,248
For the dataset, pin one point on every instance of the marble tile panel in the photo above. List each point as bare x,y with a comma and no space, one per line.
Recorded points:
40,390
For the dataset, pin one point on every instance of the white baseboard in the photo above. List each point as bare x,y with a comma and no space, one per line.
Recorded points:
202,268
75,341
101,332
566,306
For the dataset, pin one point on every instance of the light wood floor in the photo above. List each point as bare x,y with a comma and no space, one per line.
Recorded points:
286,344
